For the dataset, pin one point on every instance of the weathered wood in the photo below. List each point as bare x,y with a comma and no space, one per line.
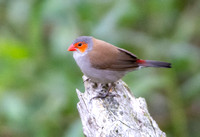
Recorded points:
121,115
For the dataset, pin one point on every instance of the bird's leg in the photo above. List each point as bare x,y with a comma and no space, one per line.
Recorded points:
106,91
103,92
86,80
111,89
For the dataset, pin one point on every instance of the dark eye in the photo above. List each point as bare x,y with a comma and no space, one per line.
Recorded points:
80,44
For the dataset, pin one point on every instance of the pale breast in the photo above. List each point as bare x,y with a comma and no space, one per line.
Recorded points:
96,75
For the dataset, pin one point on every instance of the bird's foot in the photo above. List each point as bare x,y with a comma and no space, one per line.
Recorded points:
106,91
86,80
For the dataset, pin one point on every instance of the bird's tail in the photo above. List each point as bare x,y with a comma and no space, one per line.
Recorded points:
152,63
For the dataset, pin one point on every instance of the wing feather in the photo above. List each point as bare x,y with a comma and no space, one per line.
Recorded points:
111,57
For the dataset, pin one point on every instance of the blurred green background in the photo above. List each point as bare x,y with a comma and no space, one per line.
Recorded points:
38,77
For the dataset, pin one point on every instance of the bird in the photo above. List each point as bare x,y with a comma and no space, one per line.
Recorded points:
105,63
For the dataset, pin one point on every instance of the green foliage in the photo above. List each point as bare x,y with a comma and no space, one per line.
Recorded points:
38,77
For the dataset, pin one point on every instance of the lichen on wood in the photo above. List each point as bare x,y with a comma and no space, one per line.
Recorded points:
120,115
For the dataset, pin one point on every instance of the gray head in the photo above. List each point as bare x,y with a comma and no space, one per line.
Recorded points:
86,39
82,44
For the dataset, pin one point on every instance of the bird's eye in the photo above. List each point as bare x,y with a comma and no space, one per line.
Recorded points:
80,44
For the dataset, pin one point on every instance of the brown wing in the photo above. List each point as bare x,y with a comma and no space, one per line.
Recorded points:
107,56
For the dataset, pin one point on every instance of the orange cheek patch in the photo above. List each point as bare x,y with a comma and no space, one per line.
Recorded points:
82,48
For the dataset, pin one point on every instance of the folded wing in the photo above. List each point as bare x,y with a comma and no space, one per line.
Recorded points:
106,56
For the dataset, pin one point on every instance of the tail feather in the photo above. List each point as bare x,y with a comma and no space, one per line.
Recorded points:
152,63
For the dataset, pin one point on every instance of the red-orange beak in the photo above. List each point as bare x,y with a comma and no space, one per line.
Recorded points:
71,48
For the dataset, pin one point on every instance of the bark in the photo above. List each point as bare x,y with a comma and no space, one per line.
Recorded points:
120,115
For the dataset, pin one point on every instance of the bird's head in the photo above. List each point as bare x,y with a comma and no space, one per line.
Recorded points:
82,44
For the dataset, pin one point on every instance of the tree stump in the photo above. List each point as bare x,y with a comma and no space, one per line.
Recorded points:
121,115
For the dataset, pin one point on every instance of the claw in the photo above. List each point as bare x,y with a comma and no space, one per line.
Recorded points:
85,80
108,88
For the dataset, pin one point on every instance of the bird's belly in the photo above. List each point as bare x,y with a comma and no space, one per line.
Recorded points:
103,76
97,75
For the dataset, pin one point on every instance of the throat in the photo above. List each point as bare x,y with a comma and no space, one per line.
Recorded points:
82,61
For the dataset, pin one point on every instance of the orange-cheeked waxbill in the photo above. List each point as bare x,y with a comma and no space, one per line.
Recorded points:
103,62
